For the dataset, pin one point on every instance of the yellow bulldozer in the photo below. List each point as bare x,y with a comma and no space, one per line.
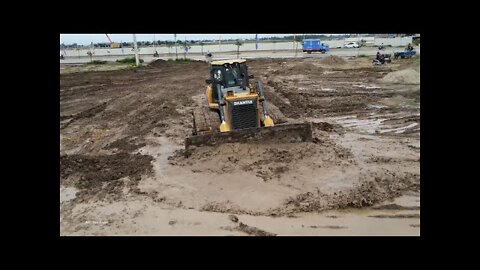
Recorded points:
236,110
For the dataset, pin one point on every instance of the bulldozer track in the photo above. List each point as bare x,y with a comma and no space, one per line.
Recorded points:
205,121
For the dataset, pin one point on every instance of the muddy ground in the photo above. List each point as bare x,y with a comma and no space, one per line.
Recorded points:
124,170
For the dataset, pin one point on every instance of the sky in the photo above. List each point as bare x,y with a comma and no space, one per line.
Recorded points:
85,39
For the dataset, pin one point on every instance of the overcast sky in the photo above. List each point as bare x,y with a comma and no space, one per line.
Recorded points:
85,39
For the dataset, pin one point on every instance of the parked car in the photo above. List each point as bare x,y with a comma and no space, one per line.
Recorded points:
351,45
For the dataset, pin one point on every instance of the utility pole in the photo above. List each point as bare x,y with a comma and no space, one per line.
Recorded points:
176,49
136,49
295,44
219,43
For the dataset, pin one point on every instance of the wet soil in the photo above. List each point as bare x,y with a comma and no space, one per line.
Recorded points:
122,134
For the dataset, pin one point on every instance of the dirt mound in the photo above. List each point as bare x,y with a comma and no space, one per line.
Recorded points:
370,190
266,161
328,127
159,62
406,76
125,144
304,67
333,60
102,174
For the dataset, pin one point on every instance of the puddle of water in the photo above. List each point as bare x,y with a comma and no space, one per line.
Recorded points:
67,194
328,89
329,72
398,130
370,125
160,151
355,222
374,106
365,125
366,86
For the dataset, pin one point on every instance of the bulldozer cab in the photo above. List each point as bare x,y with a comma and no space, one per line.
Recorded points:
231,74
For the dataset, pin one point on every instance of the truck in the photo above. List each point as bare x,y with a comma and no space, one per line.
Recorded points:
404,54
314,45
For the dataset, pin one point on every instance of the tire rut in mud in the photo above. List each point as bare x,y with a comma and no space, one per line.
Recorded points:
84,114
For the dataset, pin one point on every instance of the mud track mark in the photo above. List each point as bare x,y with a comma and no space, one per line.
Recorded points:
396,216
85,114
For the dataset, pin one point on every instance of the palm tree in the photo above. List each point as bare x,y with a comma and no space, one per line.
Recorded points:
238,43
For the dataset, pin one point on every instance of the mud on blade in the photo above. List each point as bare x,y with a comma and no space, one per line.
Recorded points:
279,133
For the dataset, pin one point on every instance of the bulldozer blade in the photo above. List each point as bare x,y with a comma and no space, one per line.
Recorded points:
279,133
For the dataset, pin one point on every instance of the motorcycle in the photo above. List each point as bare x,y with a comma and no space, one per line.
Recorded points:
209,57
384,59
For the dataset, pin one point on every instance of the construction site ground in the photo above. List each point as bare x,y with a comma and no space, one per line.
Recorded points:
124,169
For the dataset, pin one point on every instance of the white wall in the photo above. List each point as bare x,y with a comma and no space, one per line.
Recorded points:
397,41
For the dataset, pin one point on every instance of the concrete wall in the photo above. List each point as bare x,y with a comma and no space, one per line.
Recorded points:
369,41
194,49
267,46
394,42
397,41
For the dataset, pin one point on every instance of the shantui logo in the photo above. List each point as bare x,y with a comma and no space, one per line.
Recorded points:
243,102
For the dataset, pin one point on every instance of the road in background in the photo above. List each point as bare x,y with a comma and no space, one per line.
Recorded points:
369,51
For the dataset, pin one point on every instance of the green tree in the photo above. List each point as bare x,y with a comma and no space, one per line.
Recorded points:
91,56
238,43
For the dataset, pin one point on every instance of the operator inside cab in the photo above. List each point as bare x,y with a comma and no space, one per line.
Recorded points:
230,76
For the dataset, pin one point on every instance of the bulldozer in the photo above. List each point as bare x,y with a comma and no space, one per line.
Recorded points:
235,110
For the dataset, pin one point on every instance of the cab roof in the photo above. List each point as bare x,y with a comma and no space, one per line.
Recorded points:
228,61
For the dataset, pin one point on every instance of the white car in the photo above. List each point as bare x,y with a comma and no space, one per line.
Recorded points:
351,45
